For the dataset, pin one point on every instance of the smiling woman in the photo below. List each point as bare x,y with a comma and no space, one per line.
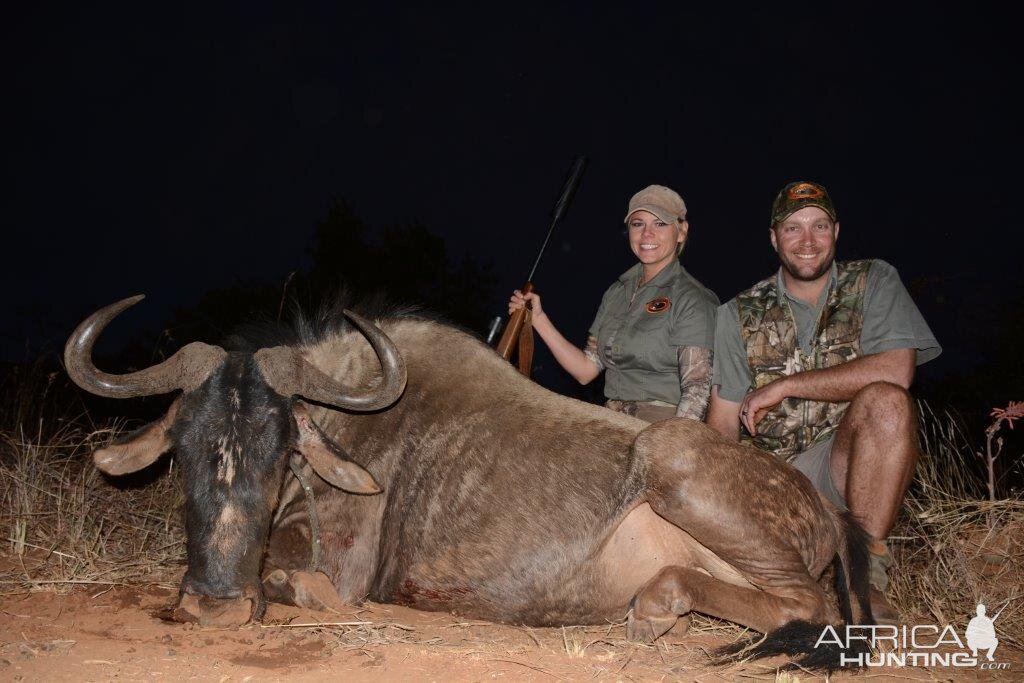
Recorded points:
653,333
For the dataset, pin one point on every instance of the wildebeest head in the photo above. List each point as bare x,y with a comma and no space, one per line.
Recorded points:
233,428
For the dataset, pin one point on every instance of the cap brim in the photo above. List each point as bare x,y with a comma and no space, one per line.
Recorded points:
660,211
803,205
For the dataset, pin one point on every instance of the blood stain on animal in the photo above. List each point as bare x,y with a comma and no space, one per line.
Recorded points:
411,592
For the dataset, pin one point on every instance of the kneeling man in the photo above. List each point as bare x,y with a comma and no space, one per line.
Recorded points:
813,364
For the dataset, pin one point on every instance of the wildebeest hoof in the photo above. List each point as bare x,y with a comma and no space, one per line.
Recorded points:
682,626
301,588
206,611
647,629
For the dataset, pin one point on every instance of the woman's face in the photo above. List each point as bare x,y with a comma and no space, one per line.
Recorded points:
653,241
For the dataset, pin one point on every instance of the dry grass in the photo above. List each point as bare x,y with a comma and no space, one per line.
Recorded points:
65,524
953,547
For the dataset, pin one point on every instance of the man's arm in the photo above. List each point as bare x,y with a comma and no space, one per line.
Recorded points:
724,416
835,384
730,374
841,382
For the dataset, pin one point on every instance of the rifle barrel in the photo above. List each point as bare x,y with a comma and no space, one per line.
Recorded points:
572,182
510,335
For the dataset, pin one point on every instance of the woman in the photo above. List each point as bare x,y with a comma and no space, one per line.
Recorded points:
655,328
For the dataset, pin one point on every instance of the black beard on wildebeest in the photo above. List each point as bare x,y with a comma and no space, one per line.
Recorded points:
501,500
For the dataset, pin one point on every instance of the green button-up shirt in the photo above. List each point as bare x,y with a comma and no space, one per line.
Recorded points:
638,337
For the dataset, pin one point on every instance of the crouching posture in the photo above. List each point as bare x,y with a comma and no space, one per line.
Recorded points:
813,365
345,462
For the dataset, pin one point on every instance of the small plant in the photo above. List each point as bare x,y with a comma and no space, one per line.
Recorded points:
1000,416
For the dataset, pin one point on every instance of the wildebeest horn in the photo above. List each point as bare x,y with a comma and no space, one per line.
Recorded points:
289,374
186,369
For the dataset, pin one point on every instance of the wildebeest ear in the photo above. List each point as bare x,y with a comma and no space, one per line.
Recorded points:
328,458
140,449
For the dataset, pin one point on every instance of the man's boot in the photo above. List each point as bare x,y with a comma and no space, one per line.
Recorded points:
879,561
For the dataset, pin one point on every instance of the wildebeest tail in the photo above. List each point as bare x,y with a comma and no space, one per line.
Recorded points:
798,640
802,640
852,570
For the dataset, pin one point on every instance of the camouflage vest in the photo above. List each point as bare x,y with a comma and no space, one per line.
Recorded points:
768,331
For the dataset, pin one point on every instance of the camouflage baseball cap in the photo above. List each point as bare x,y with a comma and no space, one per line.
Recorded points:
796,196
664,203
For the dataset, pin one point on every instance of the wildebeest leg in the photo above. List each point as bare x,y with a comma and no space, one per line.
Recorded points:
291,572
302,588
676,591
753,513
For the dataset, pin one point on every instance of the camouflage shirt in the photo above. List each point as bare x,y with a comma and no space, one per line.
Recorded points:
887,319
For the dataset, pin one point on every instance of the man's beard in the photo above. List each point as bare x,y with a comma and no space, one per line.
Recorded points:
796,275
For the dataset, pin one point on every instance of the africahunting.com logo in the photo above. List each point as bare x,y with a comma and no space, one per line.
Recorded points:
923,645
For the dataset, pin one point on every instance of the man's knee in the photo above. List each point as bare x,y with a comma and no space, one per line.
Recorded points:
887,408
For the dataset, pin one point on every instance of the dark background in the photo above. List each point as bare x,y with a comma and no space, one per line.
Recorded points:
192,156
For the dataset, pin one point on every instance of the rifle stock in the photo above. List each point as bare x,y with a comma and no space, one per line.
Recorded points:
513,328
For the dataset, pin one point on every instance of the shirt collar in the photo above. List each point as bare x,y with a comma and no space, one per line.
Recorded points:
663,279
833,273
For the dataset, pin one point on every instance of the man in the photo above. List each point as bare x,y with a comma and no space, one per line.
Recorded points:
813,364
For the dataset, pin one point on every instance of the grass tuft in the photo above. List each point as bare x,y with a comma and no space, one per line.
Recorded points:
63,523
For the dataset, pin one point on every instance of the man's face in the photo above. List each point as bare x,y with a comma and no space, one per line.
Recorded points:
652,240
806,243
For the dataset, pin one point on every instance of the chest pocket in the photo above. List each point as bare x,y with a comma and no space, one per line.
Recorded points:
841,342
766,346
838,351
650,339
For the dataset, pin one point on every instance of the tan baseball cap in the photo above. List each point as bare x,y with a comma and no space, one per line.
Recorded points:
663,202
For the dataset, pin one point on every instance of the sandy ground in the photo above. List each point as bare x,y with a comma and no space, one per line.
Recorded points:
98,633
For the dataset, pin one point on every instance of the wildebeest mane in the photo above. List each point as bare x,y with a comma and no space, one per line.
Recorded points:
307,325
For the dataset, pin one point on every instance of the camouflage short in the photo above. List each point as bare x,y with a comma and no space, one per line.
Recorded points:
648,411
814,463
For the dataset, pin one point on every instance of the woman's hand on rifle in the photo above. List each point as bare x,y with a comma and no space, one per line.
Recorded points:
570,357
518,300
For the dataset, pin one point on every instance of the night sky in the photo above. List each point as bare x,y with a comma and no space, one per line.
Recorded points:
173,153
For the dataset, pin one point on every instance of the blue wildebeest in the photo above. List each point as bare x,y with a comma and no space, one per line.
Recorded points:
428,472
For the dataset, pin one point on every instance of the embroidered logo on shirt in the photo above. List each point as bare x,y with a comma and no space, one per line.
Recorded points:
659,305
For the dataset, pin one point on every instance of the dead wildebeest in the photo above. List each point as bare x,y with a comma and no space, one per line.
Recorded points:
470,489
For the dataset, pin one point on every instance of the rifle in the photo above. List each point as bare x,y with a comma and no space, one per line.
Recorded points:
518,327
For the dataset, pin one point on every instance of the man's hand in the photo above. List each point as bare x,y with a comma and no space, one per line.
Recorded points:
757,403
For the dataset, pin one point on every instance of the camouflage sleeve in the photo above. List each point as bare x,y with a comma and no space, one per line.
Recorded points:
590,350
694,381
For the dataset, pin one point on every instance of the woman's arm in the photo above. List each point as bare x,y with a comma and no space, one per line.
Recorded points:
575,361
694,381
